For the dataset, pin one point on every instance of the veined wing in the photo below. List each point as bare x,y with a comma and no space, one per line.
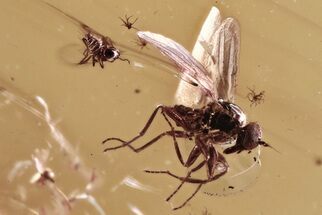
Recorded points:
223,58
217,49
84,27
186,94
187,64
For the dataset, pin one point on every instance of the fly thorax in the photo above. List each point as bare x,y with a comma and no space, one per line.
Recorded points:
220,119
235,112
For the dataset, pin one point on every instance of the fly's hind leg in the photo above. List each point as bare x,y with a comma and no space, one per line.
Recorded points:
178,134
188,179
141,134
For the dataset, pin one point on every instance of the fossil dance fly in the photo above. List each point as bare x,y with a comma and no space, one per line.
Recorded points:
216,122
98,48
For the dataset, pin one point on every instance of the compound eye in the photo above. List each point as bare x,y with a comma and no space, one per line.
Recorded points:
109,53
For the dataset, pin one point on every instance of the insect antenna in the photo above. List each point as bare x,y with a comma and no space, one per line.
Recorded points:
123,59
267,145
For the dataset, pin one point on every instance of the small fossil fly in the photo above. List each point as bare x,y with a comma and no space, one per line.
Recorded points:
217,122
140,43
255,98
127,23
98,48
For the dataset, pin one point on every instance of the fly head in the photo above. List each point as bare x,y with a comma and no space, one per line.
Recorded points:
110,54
248,138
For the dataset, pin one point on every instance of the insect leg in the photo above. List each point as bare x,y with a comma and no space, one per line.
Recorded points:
86,51
179,134
85,59
142,132
188,180
183,180
176,146
101,62
187,176
190,197
94,59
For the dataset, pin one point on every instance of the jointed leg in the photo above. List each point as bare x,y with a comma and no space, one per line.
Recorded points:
86,51
101,63
187,179
176,146
179,134
85,59
187,176
190,197
142,132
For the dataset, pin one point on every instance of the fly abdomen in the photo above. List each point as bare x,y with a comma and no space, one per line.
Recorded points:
92,43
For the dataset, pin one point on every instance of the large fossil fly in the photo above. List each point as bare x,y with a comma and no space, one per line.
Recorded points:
98,48
217,121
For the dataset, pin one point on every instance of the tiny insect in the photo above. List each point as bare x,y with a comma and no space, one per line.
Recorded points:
127,23
98,48
140,43
218,122
255,98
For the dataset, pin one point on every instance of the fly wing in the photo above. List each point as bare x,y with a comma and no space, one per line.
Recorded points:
224,58
186,63
217,49
186,94
84,27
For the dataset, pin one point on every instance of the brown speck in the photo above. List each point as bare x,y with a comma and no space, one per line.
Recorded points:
137,91
231,187
12,78
255,159
318,161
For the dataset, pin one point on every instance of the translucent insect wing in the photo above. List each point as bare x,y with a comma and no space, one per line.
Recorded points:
217,49
84,27
186,94
226,45
187,64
